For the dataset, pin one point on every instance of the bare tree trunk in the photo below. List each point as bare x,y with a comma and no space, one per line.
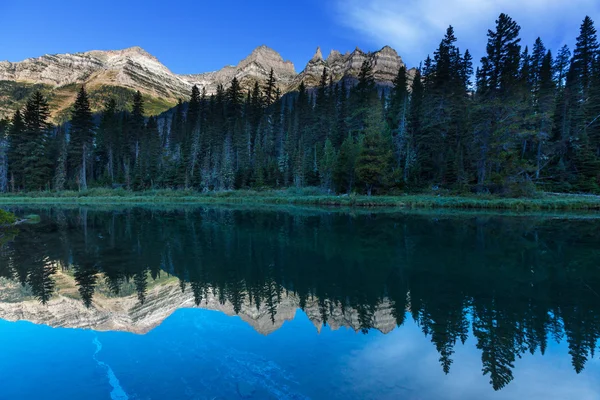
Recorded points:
111,167
406,162
126,171
84,168
539,156
3,166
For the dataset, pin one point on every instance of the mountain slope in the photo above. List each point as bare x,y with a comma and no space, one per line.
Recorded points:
105,73
131,68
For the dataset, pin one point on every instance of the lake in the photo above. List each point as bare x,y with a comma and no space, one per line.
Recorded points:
104,302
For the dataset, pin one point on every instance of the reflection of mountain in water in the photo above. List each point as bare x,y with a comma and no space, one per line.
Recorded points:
512,284
162,299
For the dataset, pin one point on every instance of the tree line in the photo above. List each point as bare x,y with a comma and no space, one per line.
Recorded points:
529,120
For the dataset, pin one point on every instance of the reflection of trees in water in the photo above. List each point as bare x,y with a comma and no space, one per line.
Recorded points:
515,283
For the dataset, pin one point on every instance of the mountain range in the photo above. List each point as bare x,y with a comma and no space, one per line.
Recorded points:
119,73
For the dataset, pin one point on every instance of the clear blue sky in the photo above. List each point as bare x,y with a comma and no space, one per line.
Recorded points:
197,36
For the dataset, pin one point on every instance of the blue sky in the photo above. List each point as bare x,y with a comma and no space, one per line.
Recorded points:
197,36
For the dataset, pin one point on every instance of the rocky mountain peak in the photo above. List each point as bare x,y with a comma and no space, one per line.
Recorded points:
333,55
388,49
264,50
267,58
108,55
129,51
385,63
136,50
318,56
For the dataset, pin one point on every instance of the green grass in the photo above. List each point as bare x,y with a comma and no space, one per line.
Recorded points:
307,197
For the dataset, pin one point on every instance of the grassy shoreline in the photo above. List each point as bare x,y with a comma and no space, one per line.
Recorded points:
307,197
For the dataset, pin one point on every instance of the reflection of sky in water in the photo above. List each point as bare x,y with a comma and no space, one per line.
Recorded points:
205,354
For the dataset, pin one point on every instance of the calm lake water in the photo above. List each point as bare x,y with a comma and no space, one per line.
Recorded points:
271,303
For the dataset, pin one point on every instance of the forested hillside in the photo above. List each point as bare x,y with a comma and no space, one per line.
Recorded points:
527,119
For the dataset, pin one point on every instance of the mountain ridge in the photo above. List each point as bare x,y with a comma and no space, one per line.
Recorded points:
134,68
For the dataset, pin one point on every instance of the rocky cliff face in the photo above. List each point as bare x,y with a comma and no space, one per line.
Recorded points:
128,315
385,63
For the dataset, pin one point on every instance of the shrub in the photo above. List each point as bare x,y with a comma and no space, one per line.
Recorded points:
7,218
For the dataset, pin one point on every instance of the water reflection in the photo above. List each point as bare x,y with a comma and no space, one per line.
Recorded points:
512,284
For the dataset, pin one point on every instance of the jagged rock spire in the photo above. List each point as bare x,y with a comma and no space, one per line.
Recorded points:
318,55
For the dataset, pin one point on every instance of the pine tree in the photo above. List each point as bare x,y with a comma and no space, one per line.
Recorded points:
498,95
255,108
234,102
503,54
585,55
341,128
192,147
585,87
37,169
544,108
193,111
137,124
327,165
397,112
561,65
176,131
373,161
343,174
108,139
81,139
444,100
414,144
60,174
4,147
271,89
153,153
537,59
363,96
322,112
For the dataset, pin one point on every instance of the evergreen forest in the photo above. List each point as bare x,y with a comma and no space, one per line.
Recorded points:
527,119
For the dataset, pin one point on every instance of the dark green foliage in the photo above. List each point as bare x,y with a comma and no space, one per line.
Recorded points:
108,142
35,146
373,162
343,173
81,140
